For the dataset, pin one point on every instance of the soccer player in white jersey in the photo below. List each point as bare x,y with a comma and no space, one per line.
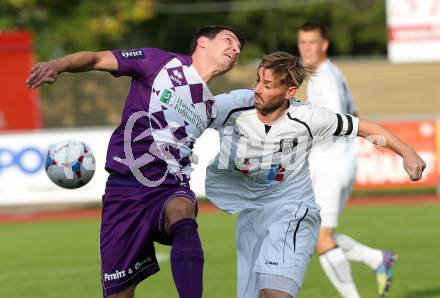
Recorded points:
262,172
328,88
147,197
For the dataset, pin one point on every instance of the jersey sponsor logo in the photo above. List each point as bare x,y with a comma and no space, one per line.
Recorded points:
114,276
138,54
188,112
124,273
165,96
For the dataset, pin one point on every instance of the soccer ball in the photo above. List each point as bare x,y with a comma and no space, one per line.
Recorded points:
70,164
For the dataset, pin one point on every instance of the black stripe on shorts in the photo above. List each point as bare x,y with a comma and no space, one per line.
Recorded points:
297,228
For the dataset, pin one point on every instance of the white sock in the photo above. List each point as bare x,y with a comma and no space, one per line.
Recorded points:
359,252
336,266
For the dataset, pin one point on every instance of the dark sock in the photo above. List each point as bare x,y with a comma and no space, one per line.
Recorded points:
187,258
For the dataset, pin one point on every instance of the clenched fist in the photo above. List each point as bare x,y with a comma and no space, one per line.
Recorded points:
414,165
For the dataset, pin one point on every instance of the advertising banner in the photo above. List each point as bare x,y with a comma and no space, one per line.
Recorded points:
379,168
23,179
413,30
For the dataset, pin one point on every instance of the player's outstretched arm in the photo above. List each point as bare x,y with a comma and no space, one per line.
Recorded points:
47,72
412,162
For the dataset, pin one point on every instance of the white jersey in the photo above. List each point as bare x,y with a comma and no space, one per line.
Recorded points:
258,164
328,88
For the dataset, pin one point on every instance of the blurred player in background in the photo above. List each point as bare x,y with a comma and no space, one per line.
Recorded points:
333,170
262,172
147,197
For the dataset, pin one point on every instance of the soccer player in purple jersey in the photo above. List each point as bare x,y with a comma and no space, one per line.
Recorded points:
147,197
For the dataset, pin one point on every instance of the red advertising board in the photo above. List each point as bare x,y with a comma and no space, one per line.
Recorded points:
19,107
379,168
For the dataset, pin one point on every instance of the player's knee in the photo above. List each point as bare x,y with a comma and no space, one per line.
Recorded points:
325,244
184,208
179,208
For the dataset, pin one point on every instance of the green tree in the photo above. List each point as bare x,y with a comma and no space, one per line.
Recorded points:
357,27
71,25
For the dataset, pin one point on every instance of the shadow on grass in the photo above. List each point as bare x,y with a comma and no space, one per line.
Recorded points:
423,293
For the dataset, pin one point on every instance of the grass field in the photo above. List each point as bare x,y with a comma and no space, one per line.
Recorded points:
60,259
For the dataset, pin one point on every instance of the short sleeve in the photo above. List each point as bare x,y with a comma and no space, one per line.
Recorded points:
325,123
230,102
138,63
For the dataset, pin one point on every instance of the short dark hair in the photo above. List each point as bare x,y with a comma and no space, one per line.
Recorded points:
211,32
313,25
287,69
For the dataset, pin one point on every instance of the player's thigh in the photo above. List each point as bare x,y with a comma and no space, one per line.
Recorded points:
126,237
332,190
347,187
248,243
327,191
247,238
289,243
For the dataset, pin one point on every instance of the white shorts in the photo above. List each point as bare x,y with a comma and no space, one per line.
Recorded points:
332,185
277,239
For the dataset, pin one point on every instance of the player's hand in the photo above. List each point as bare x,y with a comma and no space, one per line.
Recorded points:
43,72
414,165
